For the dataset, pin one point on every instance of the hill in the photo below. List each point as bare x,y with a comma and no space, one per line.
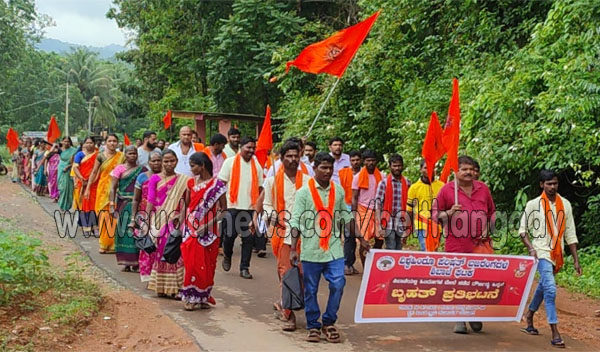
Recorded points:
58,46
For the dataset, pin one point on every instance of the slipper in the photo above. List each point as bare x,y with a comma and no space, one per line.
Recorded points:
530,330
558,343
314,335
331,334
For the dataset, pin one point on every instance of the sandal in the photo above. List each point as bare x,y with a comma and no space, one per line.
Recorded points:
331,334
314,335
290,324
189,306
126,269
204,306
530,330
558,343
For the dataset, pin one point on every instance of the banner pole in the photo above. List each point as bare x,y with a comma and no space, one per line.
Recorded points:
455,189
322,106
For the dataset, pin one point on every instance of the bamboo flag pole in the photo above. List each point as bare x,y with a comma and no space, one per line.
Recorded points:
455,189
322,106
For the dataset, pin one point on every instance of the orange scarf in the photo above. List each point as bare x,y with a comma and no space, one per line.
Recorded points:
316,198
363,177
277,238
389,197
556,238
303,168
209,153
346,176
198,147
235,181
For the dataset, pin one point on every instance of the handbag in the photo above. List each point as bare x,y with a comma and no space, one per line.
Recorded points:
292,293
145,244
172,251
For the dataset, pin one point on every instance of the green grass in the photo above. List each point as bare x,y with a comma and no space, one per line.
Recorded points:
589,282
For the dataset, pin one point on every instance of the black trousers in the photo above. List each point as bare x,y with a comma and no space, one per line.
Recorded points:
237,223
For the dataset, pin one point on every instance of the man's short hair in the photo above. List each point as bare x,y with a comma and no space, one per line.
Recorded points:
336,139
369,154
247,140
234,132
547,175
323,157
287,146
396,158
218,139
148,134
312,144
194,132
476,166
354,153
465,159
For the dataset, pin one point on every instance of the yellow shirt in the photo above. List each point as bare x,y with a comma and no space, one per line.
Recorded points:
424,195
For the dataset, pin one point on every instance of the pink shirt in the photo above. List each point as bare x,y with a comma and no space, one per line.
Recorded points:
217,161
465,226
366,196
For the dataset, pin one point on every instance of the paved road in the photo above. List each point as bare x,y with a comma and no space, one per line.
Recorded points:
243,318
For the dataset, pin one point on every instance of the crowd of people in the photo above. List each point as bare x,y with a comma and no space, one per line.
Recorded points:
175,208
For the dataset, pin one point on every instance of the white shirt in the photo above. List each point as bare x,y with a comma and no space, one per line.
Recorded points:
244,200
342,162
289,196
277,165
183,163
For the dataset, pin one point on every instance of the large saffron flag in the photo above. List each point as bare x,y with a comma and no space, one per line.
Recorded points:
167,119
12,140
433,145
333,55
126,139
265,140
452,133
53,130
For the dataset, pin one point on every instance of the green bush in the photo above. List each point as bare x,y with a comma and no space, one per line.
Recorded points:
589,282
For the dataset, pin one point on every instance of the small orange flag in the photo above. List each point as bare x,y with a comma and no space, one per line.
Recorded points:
451,135
126,139
333,55
265,140
53,130
167,119
433,145
12,140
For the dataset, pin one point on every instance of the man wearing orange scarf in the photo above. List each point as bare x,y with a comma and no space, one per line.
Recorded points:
364,189
244,177
319,216
346,175
215,152
554,217
279,199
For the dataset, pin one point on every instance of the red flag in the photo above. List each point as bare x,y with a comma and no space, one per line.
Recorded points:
333,55
167,119
126,139
265,140
452,133
12,140
433,145
53,130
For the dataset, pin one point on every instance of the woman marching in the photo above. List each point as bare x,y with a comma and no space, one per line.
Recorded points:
39,183
140,200
200,248
65,182
83,164
121,194
165,191
51,169
105,164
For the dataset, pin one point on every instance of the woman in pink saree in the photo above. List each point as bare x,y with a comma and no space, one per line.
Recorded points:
52,161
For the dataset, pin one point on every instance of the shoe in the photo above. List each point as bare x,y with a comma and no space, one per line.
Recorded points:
348,271
226,263
460,328
476,326
262,253
245,273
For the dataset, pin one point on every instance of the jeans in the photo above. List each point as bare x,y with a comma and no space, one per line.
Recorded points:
259,241
421,236
393,240
545,291
237,222
333,272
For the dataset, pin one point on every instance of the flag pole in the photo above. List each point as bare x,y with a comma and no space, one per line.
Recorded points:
455,189
322,106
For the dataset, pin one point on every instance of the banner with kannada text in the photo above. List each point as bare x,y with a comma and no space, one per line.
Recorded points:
404,286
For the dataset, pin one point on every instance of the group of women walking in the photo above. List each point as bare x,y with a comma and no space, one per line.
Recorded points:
125,205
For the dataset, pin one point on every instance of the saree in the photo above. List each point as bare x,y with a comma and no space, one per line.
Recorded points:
25,169
165,195
40,183
145,260
87,215
106,221
52,165
126,252
200,253
64,180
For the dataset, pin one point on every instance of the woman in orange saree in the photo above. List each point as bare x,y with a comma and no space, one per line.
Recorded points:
83,164
105,163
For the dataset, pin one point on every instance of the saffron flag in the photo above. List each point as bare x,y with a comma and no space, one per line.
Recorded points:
167,119
126,139
433,145
53,130
333,55
451,135
12,140
265,140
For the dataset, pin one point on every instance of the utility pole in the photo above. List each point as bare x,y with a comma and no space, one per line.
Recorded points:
67,111
90,116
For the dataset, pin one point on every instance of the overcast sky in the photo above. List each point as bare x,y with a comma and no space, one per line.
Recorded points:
81,22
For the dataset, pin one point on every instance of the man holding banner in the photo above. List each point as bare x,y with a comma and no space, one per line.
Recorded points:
466,221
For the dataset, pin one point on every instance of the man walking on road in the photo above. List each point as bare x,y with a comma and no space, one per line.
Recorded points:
184,148
555,227
215,152
148,146
467,221
233,147
317,205
346,176
341,160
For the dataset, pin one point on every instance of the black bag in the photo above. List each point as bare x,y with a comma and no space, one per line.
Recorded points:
172,251
292,294
145,244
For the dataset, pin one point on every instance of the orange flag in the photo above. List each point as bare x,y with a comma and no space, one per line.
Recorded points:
333,55
452,133
12,140
167,119
433,145
126,139
53,130
265,140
